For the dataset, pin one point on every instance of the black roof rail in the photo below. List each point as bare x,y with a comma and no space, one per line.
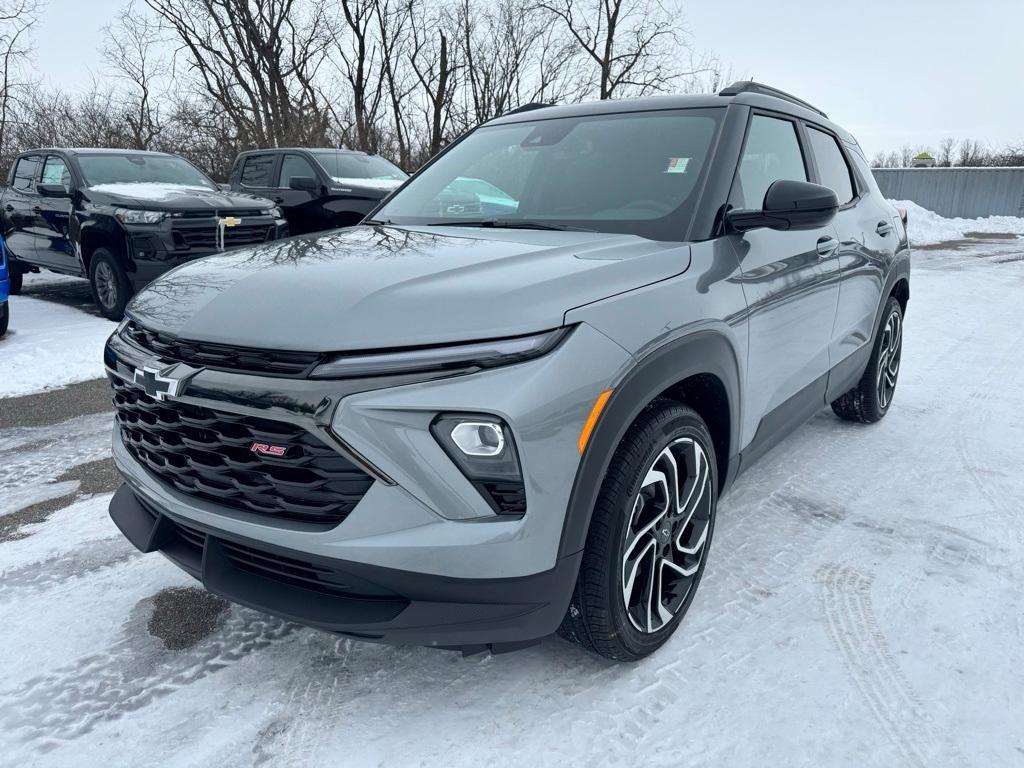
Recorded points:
749,86
526,108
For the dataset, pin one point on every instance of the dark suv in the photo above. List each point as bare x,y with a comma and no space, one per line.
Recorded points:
317,189
121,217
467,431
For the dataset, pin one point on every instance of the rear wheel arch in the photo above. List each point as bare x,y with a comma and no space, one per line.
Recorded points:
901,292
700,370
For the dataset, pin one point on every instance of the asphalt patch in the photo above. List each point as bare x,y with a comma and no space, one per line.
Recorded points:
56,405
183,616
93,477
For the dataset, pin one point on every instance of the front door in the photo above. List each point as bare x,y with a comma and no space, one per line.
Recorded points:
53,239
791,284
302,209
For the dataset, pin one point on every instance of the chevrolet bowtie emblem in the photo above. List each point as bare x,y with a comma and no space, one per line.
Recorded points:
231,221
157,383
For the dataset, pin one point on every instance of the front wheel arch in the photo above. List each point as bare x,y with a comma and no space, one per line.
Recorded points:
672,371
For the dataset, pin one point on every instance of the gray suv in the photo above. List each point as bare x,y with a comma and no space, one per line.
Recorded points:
470,430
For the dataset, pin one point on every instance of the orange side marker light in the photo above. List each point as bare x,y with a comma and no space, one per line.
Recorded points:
591,422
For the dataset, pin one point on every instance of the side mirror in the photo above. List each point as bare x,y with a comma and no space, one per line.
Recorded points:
788,205
224,187
304,184
52,190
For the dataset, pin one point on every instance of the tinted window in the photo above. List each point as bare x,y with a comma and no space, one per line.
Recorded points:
350,165
832,167
632,173
55,171
141,169
295,165
256,171
771,153
25,173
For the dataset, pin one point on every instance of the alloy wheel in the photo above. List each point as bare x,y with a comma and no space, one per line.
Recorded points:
889,359
666,537
106,285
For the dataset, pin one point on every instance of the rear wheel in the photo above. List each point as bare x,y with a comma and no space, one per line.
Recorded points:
869,401
110,287
649,536
5,314
16,276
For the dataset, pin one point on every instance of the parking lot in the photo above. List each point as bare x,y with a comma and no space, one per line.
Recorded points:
862,605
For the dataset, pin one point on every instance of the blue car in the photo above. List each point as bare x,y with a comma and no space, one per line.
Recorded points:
5,285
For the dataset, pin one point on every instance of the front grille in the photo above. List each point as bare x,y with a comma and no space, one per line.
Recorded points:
204,237
208,454
222,356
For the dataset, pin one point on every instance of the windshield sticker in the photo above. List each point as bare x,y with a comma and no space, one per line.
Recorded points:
677,164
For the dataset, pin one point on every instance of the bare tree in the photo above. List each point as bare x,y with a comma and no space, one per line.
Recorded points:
359,51
394,19
17,17
971,153
258,62
435,64
132,52
635,47
944,157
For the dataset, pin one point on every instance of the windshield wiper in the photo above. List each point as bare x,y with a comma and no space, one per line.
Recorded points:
509,224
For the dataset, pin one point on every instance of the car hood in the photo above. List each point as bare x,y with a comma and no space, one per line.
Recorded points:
171,197
371,287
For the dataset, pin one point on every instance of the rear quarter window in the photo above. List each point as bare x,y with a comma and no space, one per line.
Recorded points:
833,170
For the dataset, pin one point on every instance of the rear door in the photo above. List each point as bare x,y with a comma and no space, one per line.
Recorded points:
868,242
21,208
257,175
53,238
791,284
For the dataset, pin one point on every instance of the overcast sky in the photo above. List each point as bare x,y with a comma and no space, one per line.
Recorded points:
893,72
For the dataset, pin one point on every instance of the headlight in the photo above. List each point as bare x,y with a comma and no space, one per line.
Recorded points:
276,212
480,354
132,216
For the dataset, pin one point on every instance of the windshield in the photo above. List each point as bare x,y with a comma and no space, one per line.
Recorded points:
348,165
141,169
632,173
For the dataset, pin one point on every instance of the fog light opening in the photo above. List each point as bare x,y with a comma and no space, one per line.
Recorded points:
479,438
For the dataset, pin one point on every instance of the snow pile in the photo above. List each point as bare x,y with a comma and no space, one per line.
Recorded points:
925,227
50,345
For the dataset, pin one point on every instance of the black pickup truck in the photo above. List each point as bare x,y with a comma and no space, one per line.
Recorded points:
317,189
121,218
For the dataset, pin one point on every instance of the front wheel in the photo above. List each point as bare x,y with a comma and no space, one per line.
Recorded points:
869,401
17,278
110,287
649,536
5,314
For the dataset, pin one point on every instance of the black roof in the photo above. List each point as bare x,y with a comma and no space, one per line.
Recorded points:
747,93
339,150
102,150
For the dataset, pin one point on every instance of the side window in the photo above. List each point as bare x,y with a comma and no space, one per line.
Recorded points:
55,171
256,171
772,153
832,167
25,174
295,165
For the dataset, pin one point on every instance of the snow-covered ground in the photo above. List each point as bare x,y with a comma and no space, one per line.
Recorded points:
927,227
49,344
862,607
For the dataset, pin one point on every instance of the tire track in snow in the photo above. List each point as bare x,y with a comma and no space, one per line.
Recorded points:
844,596
131,674
43,575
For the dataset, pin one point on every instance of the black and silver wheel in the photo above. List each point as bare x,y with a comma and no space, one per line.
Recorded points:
110,287
649,536
869,401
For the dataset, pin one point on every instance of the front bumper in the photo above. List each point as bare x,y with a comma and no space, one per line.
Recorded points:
441,568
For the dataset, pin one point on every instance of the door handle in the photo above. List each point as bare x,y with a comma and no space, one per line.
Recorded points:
827,246
883,228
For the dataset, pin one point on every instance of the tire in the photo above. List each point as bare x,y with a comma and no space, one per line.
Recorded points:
636,527
5,316
110,287
17,278
869,401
